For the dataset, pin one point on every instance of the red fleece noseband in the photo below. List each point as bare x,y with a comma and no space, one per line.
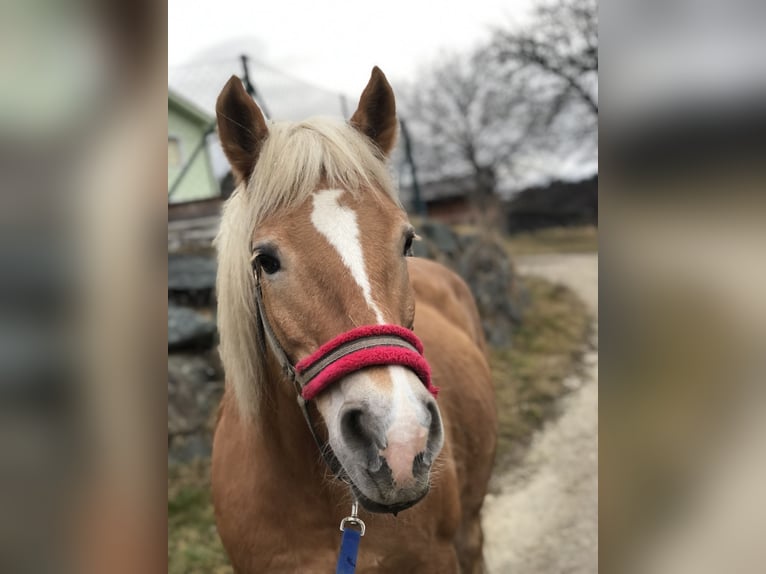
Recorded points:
368,346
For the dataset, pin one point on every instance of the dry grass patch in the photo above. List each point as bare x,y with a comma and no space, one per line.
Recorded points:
581,239
553,240
193,543
530,375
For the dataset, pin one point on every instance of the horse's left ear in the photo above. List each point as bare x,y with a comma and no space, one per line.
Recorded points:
375,116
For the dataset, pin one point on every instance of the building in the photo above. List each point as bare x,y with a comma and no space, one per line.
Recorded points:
190,168
455,199
558,203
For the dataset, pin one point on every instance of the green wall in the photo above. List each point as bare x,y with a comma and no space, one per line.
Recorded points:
199,182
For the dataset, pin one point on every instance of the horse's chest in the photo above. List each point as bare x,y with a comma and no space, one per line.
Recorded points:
390,546
311,559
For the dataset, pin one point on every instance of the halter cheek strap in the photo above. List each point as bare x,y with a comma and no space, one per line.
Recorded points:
266,334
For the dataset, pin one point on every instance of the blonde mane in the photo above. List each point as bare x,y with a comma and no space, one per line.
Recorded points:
296,158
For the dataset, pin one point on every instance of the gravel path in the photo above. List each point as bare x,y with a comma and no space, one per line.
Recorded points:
545,518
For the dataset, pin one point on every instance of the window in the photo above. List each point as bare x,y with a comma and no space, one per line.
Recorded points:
174,152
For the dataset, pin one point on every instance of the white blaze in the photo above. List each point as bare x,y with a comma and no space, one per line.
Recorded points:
407,434
338,225
407,416
406,409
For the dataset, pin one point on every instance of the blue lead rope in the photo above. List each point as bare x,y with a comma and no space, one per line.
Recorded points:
349,548
349,542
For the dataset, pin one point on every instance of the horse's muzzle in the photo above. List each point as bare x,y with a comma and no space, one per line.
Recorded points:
387,442
386,434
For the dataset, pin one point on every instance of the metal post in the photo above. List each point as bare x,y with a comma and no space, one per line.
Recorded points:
250,87
420,206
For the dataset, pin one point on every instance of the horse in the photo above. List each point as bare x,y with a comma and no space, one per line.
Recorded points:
319,300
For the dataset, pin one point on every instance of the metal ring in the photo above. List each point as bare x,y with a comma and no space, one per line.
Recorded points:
353,520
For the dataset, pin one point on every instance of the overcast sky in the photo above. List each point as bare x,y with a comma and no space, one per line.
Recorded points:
334,43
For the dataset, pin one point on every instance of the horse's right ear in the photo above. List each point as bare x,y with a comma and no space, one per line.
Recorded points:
241,127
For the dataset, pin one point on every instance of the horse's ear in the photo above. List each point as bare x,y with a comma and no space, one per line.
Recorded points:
241,127
375,116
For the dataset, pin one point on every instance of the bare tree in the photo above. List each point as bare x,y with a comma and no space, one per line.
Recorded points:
465,120
514,110
561,42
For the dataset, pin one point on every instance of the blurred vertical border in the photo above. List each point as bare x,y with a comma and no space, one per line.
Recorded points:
683,232
82,304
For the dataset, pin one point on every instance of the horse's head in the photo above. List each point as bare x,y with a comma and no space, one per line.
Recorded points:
330,240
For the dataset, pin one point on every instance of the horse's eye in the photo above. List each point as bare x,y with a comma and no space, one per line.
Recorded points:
408,244
268,263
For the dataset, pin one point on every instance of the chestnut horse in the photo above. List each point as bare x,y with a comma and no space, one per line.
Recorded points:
313,257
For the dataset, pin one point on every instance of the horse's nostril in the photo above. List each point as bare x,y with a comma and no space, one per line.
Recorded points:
435,432
421,464
434,419
431,414
359,429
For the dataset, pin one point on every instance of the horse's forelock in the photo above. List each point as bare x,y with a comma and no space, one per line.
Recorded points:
299,157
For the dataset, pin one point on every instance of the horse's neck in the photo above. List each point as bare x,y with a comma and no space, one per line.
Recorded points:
283,433
266,470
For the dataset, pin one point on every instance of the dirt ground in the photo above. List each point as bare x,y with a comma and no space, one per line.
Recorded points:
544,519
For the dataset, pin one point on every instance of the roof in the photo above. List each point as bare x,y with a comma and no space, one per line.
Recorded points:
185,106
445,188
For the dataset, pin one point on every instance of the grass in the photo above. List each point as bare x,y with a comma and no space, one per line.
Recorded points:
554,240
583,239
528,378
530,375
193,543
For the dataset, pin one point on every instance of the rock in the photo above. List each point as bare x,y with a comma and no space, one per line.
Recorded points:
487,268
188,329
191,272
482,261
194,390
194,371
427,249
441,236
184,449
191,278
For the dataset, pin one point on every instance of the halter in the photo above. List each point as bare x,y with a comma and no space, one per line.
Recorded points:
359,348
